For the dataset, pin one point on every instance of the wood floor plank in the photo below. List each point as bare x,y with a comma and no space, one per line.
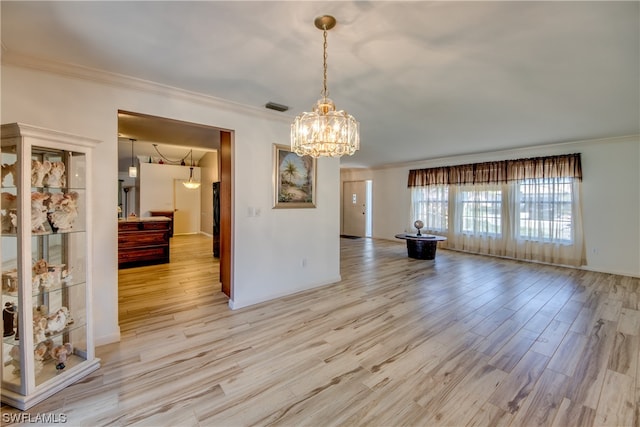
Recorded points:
473,390
571,350
492,322
541,407
547,343
569,311
490,415
451,369
515,389
513,351
617,406
571,414
405,363
313,407
460,340
629,322
632,298
624,355
493,343
636,421
586,383
388,406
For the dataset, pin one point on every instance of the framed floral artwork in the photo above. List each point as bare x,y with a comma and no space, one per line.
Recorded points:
294,179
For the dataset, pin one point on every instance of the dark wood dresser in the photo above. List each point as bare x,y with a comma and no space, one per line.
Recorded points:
143,241
168,214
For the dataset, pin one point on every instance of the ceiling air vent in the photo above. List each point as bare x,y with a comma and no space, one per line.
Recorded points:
277,107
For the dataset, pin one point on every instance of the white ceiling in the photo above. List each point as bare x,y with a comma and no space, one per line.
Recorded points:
425,79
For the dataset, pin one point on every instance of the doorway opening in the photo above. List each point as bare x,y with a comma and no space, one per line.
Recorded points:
163,142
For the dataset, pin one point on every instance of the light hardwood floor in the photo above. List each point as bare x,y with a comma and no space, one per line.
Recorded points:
463,340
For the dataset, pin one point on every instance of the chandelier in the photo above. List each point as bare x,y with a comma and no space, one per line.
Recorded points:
325,132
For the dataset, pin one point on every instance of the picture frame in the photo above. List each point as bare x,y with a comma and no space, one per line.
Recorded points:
294,179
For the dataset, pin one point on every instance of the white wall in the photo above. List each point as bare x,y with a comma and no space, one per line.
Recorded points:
610,189
156,183
267,248
158,193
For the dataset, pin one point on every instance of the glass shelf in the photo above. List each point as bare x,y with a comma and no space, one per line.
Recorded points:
61,189
11,340
55,289
60,334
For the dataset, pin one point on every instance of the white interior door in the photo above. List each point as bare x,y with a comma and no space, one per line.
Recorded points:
186,206
354,208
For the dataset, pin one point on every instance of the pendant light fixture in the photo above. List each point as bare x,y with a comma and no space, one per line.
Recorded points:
325,132
133,171
191,184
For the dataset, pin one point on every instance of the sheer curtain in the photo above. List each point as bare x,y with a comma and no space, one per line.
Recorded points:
527,208
547,221
478,213
431,205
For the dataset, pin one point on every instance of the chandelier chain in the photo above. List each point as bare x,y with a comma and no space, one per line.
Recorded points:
325,92
170,161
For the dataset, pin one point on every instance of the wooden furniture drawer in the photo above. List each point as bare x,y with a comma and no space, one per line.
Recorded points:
143,225
146,238
143,255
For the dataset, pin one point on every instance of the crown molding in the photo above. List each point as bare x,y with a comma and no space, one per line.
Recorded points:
503,154
11,58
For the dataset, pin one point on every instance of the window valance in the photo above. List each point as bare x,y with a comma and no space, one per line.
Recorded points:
567,165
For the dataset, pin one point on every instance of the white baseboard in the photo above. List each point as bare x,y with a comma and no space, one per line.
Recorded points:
234,305
108,339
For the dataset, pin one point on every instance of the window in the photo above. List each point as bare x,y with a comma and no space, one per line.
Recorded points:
431,205
481,211
545,210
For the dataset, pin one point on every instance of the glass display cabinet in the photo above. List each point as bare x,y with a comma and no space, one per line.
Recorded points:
45,229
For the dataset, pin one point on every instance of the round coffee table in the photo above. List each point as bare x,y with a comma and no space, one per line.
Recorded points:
421,246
